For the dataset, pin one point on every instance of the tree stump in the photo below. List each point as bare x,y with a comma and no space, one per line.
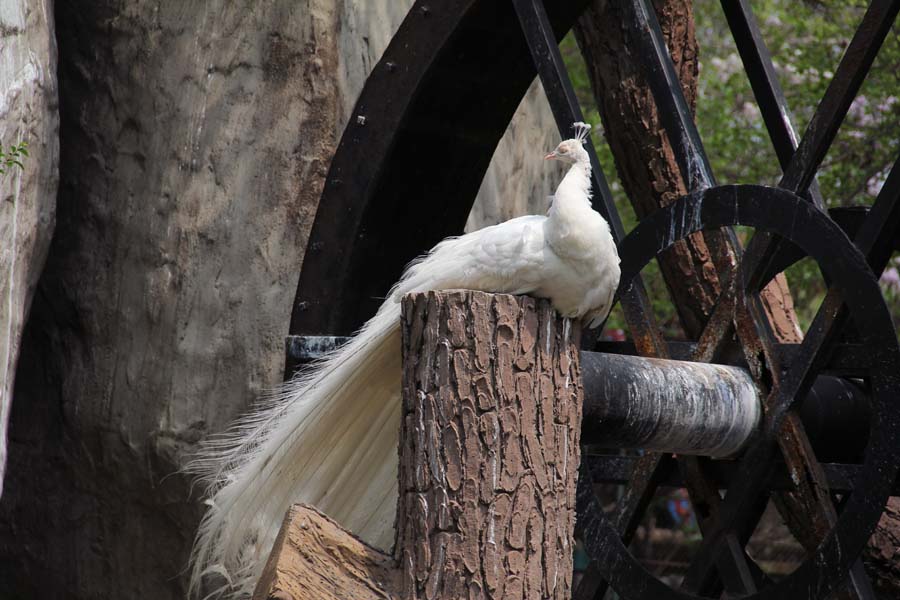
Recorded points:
489,453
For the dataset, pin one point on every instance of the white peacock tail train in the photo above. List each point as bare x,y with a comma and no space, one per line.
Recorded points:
327,438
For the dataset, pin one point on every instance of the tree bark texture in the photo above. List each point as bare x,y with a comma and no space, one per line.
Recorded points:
882,556
645,160
643,155
489,447
489,453
28,113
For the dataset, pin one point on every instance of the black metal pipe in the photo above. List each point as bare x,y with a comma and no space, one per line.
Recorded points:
632,402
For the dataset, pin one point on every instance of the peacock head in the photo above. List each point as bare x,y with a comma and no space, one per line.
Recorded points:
572,150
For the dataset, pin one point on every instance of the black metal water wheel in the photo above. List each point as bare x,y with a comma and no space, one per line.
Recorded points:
406,173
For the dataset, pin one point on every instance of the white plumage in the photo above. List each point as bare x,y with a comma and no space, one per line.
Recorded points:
329,437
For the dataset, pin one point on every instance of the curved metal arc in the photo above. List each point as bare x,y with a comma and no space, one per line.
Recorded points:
358,160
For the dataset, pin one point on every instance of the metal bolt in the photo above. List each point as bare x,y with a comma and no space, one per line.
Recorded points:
361,120
391,67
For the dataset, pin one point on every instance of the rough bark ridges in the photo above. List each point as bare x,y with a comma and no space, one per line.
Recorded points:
489,447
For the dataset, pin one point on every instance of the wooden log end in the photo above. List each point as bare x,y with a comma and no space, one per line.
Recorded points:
314,558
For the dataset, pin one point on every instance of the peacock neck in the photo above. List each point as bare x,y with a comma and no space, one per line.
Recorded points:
573,194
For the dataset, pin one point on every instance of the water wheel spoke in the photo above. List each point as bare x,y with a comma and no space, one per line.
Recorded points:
875,239
834,105
877,236
720,324
812,484
860,586
560,94
766,89
738,514
740,576
738,573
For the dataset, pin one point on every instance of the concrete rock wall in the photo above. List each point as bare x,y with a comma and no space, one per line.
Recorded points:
28,113
519,181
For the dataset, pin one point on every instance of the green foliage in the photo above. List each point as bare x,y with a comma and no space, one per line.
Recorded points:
13,157
806,41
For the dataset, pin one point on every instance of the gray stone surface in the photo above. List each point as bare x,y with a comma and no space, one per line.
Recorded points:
519,181
28,113
195,138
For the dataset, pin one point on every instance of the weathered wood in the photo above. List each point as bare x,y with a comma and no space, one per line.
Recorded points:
312,552
489,452
882,556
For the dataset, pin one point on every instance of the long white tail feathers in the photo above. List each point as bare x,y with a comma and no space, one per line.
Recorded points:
327,438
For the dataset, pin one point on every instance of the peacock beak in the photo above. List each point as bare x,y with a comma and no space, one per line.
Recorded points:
551,156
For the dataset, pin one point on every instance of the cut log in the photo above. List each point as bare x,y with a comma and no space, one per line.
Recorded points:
489,453
312,552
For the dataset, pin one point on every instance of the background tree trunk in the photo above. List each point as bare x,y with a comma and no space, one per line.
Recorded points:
642,152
